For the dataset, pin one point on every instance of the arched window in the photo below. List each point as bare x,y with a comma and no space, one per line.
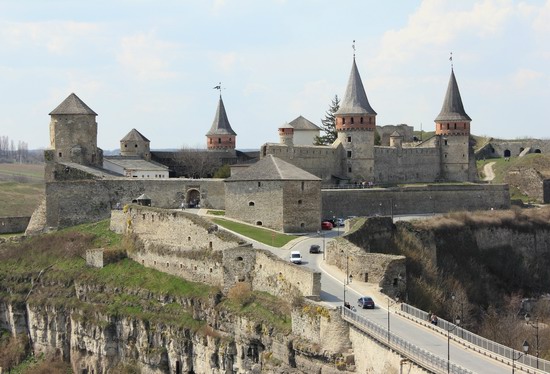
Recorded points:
251,203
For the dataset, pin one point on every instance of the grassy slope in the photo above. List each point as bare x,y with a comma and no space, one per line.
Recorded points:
265,236
21,188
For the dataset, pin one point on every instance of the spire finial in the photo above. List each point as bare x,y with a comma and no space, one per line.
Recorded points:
451,59
353,46
219,88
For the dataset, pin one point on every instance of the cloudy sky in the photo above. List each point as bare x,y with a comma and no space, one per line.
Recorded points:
152,65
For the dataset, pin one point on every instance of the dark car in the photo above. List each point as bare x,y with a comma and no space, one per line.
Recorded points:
326,225
366,302
315,248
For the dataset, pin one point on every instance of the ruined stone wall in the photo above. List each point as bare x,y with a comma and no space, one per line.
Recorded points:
528,181
404,130
70,203
94,257
277,276
498,147
427,199
321,325
11,225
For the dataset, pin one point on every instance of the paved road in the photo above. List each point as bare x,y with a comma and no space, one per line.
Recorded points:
332,293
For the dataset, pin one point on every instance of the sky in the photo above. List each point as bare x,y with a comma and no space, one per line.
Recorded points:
152,65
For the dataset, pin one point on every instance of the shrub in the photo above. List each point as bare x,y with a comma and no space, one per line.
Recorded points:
241,293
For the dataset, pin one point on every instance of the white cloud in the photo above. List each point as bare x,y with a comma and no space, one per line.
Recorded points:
226,61
524,77
146,56
56,37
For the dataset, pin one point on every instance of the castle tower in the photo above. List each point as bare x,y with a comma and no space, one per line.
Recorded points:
286,135
453,127
221,136
135,144
396,140
356,125
73,133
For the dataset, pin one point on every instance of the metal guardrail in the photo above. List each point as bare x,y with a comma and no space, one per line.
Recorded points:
479,341
416,354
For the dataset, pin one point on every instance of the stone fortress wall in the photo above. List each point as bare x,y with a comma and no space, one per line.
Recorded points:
70,203
421,199
188,246
512,148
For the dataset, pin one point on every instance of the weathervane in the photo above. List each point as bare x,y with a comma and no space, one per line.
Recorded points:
219,88
353,46
451,59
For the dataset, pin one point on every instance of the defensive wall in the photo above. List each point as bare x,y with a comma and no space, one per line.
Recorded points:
512,148
421,199
70,203
398,164
191,247
12,225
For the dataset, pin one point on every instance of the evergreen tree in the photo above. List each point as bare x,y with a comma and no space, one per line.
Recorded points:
329,124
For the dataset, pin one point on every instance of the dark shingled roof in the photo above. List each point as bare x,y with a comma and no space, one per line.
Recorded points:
452,109
272,168
221,125
355,100
73,105
301,123
134,135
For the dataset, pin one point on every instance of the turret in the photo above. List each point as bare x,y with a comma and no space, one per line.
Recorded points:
135,144
396,140
356,125
286,135
221,136
452,120
73,133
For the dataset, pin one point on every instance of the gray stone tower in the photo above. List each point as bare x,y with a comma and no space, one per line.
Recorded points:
73,133
356,125
453,127
221,136
135,144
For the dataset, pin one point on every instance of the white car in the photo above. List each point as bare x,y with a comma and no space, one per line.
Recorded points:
296,257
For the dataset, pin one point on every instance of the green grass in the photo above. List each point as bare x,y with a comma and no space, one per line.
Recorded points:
22,172
21,188
265,236
216,212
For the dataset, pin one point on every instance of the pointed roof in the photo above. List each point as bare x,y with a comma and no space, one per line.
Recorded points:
355,99
396,134
272,168
221,125
73,105
133,136
452,109
302,123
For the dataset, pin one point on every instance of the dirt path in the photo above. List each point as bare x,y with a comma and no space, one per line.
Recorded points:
488,171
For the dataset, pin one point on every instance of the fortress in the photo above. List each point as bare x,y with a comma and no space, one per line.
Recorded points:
291,187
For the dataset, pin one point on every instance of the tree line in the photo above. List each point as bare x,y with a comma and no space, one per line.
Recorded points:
11,151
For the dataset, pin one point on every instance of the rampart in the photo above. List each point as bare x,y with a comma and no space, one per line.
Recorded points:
70,203
396,164
421,199
191,247
12,225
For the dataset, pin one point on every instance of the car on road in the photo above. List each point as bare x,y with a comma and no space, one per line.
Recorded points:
326,225
296,257
339,222
365,302
315,248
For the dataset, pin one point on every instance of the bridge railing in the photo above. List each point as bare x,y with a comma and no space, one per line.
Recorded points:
416,354
479,341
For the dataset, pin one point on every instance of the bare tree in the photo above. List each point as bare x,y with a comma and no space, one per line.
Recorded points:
197,163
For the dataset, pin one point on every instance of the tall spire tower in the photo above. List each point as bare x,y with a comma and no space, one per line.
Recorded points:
356,125
453,127
221,136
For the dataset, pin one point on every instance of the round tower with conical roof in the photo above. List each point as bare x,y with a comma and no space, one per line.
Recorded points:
221,136
73,133
452,125
286,135
356,126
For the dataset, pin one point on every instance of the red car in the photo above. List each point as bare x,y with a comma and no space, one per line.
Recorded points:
326,225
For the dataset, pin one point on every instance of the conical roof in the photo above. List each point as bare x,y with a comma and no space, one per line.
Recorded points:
452,109
272,168
355,100
73,105
221,125
301,123
133,136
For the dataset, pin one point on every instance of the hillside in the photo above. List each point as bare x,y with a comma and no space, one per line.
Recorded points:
21,188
